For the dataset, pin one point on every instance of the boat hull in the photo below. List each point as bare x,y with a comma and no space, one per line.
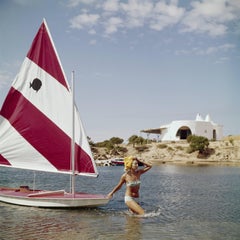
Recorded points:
117,163
53,199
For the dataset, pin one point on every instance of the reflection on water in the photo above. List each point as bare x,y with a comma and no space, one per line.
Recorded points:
180,203
36,223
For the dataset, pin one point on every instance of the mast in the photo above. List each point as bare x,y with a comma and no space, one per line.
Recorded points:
73,140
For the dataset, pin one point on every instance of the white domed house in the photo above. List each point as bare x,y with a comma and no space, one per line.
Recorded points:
180,130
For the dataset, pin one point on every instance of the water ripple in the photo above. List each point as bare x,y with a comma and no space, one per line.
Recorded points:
180,203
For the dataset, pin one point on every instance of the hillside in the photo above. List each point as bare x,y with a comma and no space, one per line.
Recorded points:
225,152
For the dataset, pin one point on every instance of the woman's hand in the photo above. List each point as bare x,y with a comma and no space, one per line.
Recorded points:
146,163
147,166
110,195
119,185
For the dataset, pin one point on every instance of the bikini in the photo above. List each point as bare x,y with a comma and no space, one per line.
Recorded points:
131,184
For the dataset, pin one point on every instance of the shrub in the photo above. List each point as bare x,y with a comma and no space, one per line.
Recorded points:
122,149
116,140
231,141
198,143
170,148
161,146
189,138
180,148
142,148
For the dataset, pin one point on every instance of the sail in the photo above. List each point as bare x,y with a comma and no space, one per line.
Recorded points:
36,116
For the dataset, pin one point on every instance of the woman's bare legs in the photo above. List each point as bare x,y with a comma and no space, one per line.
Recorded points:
135,207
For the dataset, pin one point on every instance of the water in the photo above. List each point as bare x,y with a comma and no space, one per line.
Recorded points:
181,202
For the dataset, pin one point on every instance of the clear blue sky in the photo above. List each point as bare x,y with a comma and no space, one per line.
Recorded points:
139,64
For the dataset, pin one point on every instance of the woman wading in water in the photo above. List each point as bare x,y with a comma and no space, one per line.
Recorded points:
131,178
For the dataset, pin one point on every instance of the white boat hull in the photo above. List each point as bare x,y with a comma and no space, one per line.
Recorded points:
53,199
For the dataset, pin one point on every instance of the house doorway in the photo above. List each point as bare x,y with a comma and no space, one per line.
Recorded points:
183,132
214,135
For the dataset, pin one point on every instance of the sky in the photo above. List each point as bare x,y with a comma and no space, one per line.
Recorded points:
138,64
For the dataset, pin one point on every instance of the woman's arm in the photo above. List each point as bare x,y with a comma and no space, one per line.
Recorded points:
119,185
147,166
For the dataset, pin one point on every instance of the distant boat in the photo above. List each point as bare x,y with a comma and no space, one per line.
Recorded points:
117,162
120,162
40,129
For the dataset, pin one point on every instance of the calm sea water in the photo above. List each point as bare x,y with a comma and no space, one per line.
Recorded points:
181,202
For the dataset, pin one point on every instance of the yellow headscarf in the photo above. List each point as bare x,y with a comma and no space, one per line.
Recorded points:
128,163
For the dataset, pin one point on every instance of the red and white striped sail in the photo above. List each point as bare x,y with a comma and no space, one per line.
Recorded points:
36,117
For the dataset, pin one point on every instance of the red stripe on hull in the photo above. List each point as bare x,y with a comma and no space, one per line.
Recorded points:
45,136
43,54
4,161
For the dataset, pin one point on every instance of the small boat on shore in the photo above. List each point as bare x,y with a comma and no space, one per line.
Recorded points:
120,162
117,162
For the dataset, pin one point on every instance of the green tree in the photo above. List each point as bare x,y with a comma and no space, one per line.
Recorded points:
116,140
140,140
112,145
133,140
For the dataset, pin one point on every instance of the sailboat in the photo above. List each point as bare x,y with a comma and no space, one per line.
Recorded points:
41,130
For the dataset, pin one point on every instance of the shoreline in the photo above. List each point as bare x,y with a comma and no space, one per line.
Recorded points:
224,153
197,163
